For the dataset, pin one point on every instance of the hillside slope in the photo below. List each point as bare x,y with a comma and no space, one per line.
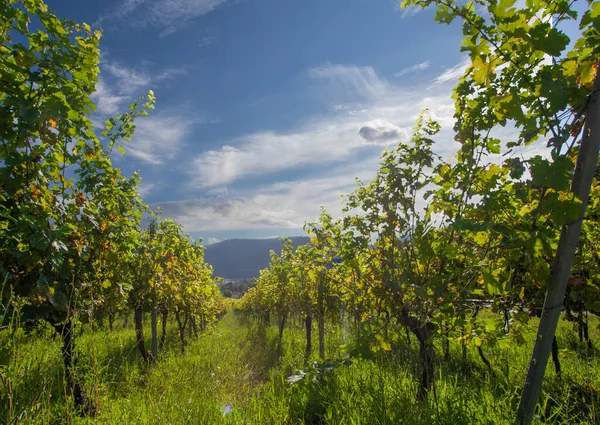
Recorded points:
243,258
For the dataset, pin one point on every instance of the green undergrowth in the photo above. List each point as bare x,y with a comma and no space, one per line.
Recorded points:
238,373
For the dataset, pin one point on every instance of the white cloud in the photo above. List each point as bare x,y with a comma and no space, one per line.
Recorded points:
278,205
208,38
270,151
159,138
415,68
165,15
383,119
329,143
221,214
206,41
383,131
107,102
360,81
453,73
441,109
132,81
147,188
118,12
129,80
409,11
118,85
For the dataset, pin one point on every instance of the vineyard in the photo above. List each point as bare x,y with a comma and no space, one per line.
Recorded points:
440,295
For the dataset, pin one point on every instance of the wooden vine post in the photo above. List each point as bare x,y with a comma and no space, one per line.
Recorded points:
587,161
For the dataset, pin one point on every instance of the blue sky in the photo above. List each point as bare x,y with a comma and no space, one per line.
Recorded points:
266,109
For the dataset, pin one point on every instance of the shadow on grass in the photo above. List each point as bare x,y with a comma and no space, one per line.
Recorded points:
32,376
260,351
118,364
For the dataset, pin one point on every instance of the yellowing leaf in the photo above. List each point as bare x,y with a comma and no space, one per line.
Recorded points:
588,74
482,70
481,238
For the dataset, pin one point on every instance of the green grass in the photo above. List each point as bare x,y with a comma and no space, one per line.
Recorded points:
238,363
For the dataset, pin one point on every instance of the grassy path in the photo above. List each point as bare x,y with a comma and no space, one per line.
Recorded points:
238,365
218,369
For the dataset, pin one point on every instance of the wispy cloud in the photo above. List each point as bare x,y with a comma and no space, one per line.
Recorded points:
409,11
129,80
147,188
118,11
119,84
415,68
165,15
207,39
453,73
107,101
363,81
288,205
223,214
270,151
132,80
383,119
160,138
272,206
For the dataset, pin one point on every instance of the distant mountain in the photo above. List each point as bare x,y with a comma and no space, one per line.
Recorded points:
243,258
